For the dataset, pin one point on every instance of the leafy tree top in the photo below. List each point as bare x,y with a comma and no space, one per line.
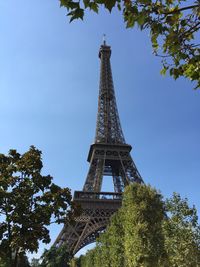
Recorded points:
29,203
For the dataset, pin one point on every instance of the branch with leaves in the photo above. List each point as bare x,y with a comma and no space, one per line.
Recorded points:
173,27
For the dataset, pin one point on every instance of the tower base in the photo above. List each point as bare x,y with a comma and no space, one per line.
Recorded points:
96,210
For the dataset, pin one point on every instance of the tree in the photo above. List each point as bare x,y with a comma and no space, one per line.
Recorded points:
35,262
76,262
3,263
56,257
173,27
88,259
143,215
115,237
182,233
101,253
29,202
134,237
148,232
23,261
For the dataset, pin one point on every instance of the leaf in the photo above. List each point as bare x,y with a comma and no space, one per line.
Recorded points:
109,4
154,41
76,14
86,3
65,3
141,19
163,71
119,6
145,2
94,7
73,5
130,21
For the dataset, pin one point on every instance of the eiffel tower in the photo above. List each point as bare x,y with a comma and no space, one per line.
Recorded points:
108,156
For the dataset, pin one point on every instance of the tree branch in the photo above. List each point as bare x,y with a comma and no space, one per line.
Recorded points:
180,9
191,30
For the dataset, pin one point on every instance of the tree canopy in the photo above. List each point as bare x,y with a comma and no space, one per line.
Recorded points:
182,233
173,27
29,203
55,257
148,231
134,237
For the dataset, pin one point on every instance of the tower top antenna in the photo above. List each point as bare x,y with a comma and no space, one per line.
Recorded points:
104,39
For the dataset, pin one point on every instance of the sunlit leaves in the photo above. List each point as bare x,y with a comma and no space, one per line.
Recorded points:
134,237
55,257
148,232
173,27
182,233
143,215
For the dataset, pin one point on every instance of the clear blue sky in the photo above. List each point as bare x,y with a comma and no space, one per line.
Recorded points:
49,78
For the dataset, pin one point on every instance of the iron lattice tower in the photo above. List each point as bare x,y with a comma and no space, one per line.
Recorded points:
108,156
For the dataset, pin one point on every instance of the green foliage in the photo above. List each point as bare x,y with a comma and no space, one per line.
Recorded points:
173,27
35,262
148,232
116,246
29,202
101,254
56,257
109,250
143,215
182,233
88,259
75,262
4,263
23,261
134,237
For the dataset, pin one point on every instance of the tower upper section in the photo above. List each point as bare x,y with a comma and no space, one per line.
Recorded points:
108,127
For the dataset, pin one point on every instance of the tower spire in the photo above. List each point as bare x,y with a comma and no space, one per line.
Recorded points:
104,39
108,127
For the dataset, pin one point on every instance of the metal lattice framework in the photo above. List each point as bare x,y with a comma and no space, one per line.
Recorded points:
108,156
97,208
108,128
